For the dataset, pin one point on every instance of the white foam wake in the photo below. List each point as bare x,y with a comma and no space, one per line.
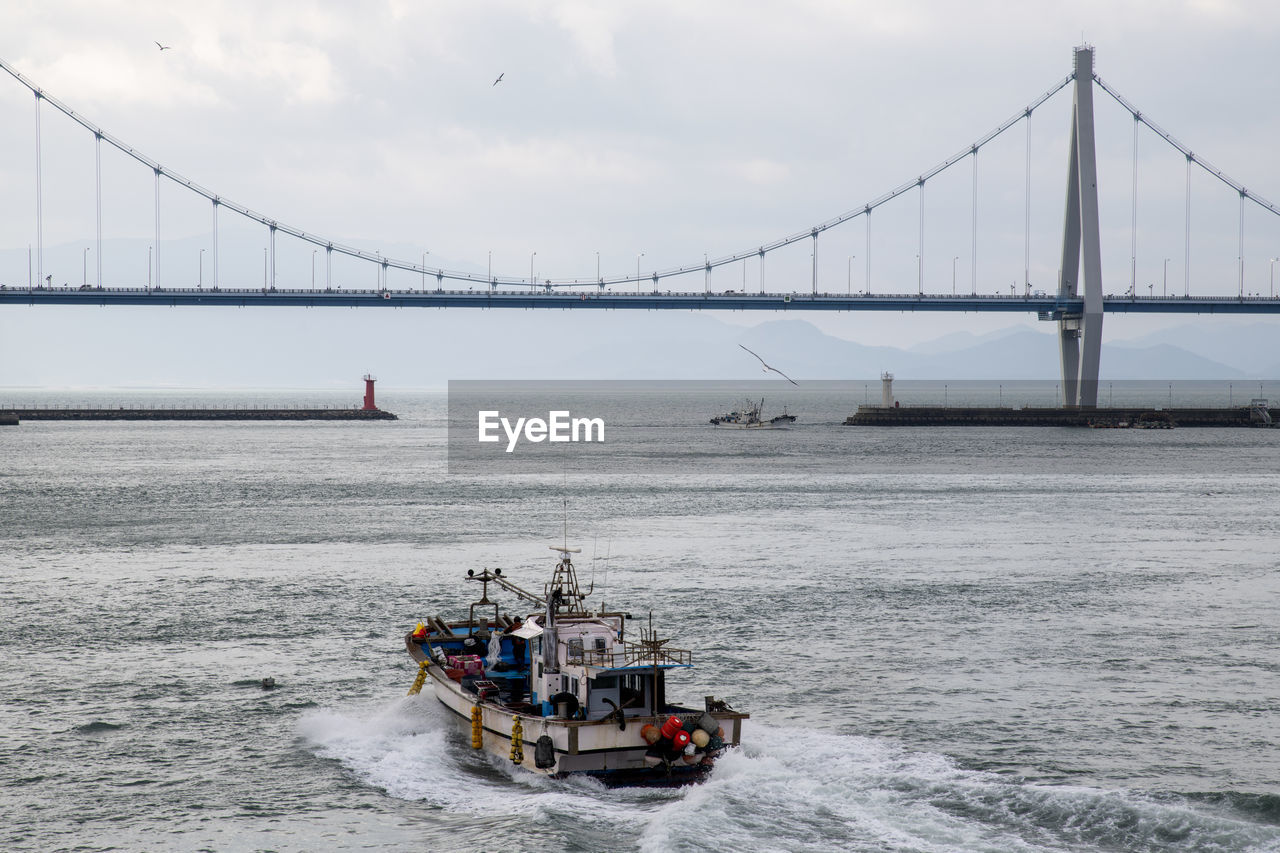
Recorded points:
792,789
412,751
787,789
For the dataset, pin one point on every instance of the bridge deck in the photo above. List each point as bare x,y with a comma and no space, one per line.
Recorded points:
1048,307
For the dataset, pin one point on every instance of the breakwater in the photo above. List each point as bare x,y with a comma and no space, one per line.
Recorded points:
177,414
1124,417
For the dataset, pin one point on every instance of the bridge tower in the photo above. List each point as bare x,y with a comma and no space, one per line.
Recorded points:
1080,335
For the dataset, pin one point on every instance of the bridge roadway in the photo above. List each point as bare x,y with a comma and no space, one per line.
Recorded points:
1046,306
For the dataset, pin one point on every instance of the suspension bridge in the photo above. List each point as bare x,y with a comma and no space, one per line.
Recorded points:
1077,303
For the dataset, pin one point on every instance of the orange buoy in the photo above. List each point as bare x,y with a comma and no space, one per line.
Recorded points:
650,734
671,726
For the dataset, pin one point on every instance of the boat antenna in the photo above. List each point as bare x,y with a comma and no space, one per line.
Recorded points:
608,554
564,495
595,556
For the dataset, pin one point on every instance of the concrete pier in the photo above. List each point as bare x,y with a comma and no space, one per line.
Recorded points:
122,414
1133,418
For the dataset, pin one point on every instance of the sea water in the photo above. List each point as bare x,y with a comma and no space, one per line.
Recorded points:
948,639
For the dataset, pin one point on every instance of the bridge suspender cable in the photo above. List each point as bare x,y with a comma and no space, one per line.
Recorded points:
707,265
1191,156
384,263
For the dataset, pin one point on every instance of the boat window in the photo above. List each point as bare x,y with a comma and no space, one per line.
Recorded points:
539,669
575,649
600,644
604,682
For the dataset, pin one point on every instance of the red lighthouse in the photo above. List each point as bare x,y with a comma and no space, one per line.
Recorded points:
369,405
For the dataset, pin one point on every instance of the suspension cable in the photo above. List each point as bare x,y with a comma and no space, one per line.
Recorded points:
1133,220
475,277
1191,156
39,203
1026,243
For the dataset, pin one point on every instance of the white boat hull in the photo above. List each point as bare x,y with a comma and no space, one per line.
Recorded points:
580,746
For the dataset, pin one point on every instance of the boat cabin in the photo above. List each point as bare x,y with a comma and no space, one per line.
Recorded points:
564,662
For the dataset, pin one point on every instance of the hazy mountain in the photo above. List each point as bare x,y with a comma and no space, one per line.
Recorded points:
1008,354
962,340
1252,348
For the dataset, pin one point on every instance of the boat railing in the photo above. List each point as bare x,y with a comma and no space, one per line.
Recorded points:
630,654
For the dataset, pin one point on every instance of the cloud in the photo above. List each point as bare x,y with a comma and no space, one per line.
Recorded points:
592,27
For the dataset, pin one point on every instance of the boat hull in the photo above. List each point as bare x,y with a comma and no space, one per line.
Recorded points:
600,749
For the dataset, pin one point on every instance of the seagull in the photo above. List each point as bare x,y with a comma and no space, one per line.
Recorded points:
499,80
164,46
767,368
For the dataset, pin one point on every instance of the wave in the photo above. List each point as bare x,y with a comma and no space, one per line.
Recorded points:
789,789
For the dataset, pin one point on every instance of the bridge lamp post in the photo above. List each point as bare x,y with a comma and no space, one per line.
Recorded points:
850,266
200,272
1273,277
532,283
638,257
424,270
1164,288
85,262
313,268
953,274
148,269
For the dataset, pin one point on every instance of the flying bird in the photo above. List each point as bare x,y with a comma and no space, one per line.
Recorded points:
164,46
767,368
499,80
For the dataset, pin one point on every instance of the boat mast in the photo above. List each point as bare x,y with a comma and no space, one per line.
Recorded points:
563,592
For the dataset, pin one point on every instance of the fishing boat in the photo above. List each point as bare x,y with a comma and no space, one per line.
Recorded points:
747,416
783,419
565,691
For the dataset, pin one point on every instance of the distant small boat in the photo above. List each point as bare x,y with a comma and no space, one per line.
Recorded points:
782,419
748,417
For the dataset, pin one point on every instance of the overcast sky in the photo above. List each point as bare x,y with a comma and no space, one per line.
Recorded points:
672,129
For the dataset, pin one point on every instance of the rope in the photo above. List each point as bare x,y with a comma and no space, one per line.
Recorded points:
420,680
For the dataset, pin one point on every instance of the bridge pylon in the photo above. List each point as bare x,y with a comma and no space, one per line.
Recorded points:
1080,335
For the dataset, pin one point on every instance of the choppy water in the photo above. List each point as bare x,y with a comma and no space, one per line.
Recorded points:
948,639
